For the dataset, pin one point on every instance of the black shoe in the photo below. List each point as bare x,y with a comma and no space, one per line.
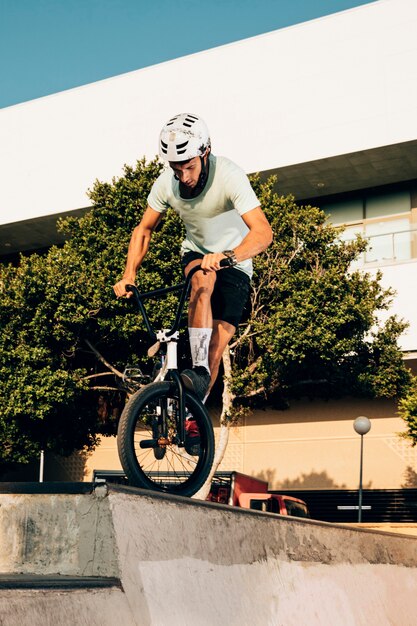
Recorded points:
197,380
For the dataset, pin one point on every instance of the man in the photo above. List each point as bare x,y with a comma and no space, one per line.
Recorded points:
223,219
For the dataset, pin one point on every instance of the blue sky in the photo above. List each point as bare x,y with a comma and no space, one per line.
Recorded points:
51,45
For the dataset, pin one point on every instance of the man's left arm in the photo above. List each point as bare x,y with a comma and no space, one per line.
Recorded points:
258,238
256,241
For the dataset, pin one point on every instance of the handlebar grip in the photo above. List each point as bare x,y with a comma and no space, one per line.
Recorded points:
135,291
227,262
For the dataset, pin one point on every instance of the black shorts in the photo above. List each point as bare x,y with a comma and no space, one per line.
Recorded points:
231,292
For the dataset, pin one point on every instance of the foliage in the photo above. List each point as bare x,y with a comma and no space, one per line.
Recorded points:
313,329
408,412
65,339
51,396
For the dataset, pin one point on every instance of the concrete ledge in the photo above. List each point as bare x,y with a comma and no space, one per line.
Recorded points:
403,528
31,581
48,487
165,559
67,534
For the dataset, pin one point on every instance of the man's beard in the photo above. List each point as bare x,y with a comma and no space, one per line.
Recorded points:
192,192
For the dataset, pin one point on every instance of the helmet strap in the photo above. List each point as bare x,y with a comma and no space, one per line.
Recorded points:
187,193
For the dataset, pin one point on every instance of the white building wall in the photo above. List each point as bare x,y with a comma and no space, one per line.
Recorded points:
331,86
402,278
335,85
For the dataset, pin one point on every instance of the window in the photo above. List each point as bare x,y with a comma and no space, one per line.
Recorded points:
388,204
296,509
269,505
345,212
384,219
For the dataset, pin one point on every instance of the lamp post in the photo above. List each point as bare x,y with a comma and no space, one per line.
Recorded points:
41,466
362,425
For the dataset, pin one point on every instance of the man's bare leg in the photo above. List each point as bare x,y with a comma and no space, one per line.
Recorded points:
222,334
199,308
200,316
200,327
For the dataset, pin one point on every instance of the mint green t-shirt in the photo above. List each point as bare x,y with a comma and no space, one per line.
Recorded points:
213,219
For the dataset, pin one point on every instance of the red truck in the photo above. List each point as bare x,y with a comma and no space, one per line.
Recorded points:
235,489
238,489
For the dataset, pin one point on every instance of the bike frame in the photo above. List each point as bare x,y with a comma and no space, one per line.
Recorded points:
168,336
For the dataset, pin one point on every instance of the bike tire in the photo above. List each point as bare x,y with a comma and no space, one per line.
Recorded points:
177,471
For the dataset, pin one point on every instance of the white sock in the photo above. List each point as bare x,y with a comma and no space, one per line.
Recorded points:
199,344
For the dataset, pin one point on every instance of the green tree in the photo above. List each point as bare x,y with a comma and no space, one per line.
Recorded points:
61,325
65,339
313,330
314,326
407,410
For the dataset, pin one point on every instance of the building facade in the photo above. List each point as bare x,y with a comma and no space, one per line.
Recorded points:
329,107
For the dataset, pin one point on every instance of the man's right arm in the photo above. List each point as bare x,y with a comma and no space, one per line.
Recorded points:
138,247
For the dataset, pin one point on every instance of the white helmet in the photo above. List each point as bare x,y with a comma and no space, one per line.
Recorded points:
183,137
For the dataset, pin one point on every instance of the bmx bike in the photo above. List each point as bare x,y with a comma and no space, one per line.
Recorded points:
165,436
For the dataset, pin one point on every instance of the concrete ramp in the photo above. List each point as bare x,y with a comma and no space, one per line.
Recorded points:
124,557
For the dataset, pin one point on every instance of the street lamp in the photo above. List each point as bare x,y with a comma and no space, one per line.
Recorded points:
362,425
41,466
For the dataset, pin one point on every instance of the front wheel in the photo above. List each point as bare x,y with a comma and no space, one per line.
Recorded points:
150,450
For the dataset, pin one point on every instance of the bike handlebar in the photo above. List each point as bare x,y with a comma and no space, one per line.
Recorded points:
185,286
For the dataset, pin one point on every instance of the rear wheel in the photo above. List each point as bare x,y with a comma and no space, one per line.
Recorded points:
149,445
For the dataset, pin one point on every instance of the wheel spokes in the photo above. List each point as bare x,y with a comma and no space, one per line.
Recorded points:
157,423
